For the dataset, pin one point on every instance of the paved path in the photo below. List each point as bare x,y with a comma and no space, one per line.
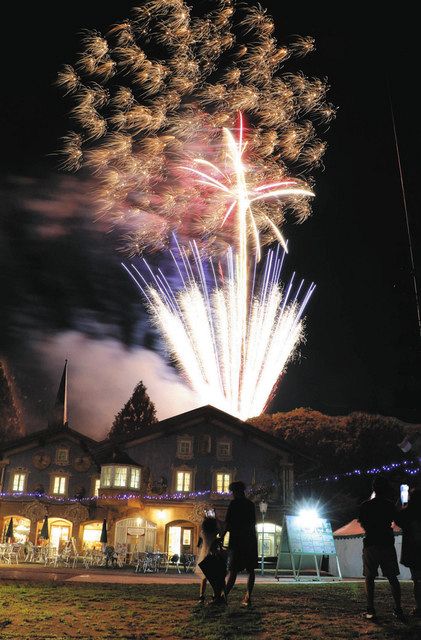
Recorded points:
41,573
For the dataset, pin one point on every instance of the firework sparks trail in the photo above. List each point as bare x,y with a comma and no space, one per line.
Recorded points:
156,91
239,195
232,183
155,103
231,366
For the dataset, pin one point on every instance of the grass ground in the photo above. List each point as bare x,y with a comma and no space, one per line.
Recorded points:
145,612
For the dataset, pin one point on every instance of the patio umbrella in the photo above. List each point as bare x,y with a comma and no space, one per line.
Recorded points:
103,537
9,532
44,531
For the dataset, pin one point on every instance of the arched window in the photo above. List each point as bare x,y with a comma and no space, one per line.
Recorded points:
21,528
91,535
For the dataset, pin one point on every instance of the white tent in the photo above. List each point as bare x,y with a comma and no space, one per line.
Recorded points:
349,547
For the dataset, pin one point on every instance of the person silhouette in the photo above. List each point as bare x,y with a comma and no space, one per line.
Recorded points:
240,522
376,516
409,520
209,543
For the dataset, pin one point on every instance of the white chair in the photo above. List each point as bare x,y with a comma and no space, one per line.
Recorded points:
3,549
51,556
65,555
12,553
173,561
121,553
29,551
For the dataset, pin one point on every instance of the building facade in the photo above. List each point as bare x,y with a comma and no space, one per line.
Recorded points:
153,489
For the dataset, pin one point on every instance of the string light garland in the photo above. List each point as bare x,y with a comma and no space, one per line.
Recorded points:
410,467
121,496
177,496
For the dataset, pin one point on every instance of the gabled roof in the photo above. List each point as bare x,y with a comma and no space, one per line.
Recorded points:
354,530
196,417
42,437
102,451
109,452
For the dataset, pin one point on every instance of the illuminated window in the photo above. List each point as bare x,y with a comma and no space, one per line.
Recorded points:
92,535
223,481
59,485
183,481
106,477
135,478
19,482
186,537
120,476
224,449
97,484
62,455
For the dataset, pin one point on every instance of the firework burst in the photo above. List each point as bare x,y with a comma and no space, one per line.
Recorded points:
192,126
231,364
157,91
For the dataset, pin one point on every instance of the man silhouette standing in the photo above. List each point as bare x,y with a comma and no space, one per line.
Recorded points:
240,521
376,517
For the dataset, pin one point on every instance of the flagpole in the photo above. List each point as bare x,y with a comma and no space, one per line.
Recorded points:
405,208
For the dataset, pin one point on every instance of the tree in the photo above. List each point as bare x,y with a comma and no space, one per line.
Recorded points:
337,443
334,445
138,413
10,423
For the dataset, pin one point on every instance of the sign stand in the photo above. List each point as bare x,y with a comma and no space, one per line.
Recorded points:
306,538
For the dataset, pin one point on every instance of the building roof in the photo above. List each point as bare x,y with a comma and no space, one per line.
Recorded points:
42,437
196,417
109,453
353,530
103,451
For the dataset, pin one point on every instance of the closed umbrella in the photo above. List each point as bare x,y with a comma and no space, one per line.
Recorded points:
44,531
9,532
104,537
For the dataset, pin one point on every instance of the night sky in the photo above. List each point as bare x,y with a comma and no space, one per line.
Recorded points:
63,293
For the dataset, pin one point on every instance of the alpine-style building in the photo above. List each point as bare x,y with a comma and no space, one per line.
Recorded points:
153,488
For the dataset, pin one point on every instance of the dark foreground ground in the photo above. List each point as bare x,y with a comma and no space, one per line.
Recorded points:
310,611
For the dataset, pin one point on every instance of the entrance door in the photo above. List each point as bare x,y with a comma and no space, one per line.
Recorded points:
180,540
59,534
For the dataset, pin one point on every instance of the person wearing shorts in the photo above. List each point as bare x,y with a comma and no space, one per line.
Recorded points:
376,517
409,520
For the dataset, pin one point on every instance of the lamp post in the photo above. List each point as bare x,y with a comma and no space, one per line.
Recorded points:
263,506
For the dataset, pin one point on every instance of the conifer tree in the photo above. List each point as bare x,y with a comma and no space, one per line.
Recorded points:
10,425
138,413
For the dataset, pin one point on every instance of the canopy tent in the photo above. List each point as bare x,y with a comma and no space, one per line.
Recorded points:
349,547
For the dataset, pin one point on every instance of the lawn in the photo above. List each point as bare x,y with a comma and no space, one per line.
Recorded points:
142,612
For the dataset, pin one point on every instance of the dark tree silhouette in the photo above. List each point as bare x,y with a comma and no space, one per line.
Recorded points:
10,424
138,413
337,444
